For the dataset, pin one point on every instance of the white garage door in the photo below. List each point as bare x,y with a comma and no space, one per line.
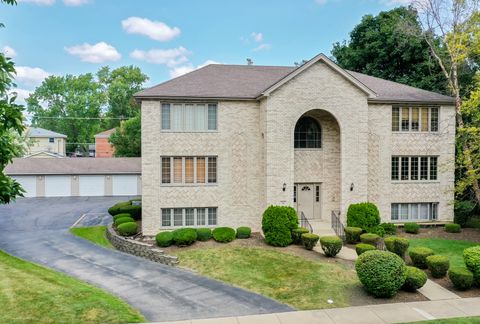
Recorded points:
93,185
57,186
29,184
124,185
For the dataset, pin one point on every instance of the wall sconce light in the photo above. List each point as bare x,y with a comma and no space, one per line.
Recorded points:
284,186
351,187
74,177
108,177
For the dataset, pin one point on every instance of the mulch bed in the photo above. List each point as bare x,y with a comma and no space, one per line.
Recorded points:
467,234
446,283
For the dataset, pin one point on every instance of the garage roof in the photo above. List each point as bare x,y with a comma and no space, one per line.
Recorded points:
73,166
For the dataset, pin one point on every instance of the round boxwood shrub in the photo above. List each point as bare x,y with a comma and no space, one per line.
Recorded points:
115,209
362,248
164,239
438,265
461,278
370,238
135,211
278,223
331,245
416,278
389,228
122,220
382,273
127,229
376,230
471,256
184,236
309,240
364,215
419,256
412,228
452,228
117,216
397,245
244,232
204,234
223,234
297,235
352,234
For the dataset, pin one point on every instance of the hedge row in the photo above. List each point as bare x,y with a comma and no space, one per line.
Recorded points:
187,236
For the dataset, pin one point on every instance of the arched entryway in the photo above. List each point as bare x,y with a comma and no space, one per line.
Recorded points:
317,165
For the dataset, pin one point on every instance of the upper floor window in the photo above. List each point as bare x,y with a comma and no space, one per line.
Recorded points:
414,168
51,140
189,169
415,119
308,133
189,117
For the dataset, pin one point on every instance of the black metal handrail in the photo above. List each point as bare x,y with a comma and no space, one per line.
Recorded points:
305,223
337,225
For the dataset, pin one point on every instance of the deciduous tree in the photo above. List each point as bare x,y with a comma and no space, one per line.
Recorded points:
127,138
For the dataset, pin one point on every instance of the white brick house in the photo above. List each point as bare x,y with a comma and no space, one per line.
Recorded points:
222,143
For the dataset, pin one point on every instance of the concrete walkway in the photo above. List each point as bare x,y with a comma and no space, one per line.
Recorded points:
434,291
374,314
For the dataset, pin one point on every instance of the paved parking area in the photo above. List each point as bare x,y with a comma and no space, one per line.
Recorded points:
36,229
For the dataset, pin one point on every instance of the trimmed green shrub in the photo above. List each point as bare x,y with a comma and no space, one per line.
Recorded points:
135,211
244,232
463,211
164,239
277,225
473,222
364,215
297,235
438,265
416,278
376,230
204,234
352,234
362,248
461,278
452,228
223,234
122,220
370,238
115,209
419,256
331,245
382,273
309,240
471,256
389,228
397,245
184,236
127,229
117,216
412,228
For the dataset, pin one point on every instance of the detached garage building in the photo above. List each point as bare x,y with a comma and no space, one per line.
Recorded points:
77,176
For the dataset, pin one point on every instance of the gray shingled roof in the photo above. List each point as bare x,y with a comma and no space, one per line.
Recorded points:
41,132
249,81
25,166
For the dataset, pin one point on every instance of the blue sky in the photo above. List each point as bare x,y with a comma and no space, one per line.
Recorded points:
168,38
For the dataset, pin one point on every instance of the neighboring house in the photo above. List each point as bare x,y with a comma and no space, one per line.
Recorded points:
77,176
46,143
222,143
103,148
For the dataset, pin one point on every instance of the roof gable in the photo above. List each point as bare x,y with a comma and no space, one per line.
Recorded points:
41,132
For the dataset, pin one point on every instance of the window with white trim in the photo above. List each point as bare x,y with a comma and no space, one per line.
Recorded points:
413,168
189,170
415,119
199,216
189,117
404,212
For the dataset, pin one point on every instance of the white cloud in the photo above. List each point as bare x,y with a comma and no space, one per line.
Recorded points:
170,57
258,37
156,30
321,2
9,52
97,53
30,75
75,3
184,69
262,47
38,2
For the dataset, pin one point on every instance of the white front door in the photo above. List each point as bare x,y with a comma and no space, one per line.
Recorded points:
308,200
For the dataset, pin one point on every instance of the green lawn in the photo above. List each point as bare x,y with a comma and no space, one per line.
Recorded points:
451,248
289,279
30,293
95,234
458,320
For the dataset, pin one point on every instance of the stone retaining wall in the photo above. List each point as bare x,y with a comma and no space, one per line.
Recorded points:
140,249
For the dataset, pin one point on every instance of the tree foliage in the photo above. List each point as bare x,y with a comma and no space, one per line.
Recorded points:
127,138
11,125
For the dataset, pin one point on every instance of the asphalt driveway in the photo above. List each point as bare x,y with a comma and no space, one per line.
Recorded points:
36,229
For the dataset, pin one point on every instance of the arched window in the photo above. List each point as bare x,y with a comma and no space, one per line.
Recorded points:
308,133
